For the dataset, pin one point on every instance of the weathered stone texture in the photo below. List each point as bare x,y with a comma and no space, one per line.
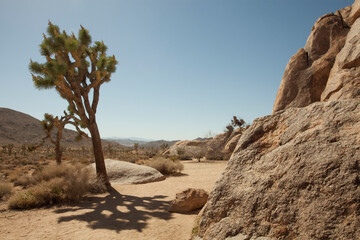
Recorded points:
294,174
189,200
327,67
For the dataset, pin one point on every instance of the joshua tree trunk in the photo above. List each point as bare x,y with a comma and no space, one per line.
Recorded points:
98,153
58,147
58,153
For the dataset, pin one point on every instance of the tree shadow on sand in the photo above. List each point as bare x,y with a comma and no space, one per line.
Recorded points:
118,212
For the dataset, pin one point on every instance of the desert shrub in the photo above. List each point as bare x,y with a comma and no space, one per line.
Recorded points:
185,157
214,155
5,189
196,226
174,158
97,185
14,175
129,157
54,171
180,151
57,184
23,180
165,166
182,154
85,161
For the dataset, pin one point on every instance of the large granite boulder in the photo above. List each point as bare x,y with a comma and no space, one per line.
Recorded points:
309,70
231,144
344,79
121,172
293,175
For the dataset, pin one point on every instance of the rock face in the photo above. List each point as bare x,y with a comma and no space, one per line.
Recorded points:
189,200
293,175
311,74
120,172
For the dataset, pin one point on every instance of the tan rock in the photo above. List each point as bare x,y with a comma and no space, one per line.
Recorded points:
231,144
344,79
289,89
323,36
189,200
308,70
344,14
293,175
355,12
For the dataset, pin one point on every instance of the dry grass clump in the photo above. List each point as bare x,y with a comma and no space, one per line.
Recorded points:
5,189
23,180
57,184
165,166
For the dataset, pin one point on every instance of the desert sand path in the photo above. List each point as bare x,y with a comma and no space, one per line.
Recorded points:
130,212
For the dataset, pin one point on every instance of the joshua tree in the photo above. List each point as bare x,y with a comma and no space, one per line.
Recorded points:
136,147
4,147
110,150
23,149
10,148
235,122
76,69
50,122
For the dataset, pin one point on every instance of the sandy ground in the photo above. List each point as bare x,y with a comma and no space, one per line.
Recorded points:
130,212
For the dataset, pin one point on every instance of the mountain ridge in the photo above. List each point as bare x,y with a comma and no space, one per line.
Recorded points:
20,128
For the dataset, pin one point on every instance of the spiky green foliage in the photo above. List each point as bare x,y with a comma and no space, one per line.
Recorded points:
91,67
48,122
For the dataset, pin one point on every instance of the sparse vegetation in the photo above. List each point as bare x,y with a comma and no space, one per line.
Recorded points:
165,166
57,184
195,229
5,189
214,155
182,154
229,129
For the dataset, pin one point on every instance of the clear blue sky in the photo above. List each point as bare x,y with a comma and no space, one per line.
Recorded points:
185,66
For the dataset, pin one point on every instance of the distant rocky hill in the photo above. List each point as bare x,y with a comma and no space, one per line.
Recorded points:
19,128
295,174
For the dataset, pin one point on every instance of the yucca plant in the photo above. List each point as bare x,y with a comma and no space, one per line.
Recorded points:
48,124
76,68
